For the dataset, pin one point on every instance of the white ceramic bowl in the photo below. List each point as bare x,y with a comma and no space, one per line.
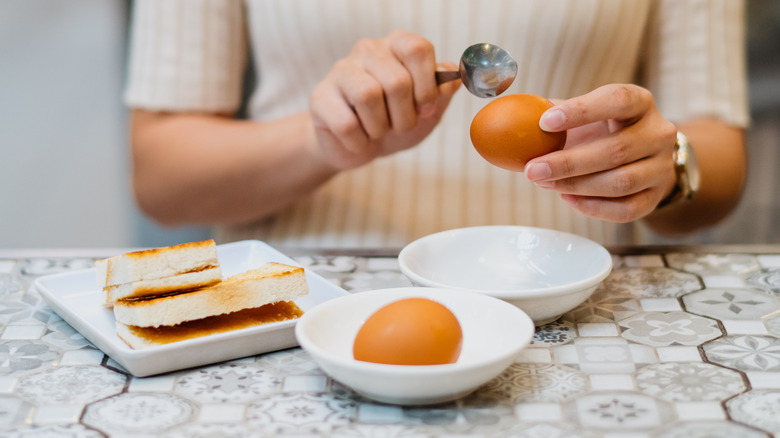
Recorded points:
544,272
494,333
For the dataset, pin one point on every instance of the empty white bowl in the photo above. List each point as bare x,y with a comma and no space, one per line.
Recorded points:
494,333
544,272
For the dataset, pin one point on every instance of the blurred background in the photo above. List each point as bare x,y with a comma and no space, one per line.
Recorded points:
64,161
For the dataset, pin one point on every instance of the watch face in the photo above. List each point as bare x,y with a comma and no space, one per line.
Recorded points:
688,168
687,172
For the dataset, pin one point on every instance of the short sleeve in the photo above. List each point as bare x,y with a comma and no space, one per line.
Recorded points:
696,65
186,55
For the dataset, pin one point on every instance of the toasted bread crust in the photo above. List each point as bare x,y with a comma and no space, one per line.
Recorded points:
153,252
178,283
268,284
145,337
151,264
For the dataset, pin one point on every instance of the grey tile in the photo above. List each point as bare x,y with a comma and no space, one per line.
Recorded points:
139,413
757,408
731,303
745,353
661,329
689,382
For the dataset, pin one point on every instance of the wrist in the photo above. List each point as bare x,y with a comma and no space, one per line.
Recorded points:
686,171
313,150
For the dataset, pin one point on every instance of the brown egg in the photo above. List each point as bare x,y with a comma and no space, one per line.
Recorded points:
506,131
410,331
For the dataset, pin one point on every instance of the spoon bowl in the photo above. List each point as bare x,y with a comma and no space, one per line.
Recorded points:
486,70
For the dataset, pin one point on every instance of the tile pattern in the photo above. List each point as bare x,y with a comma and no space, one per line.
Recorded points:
619,411
708,429
554,333
689,382
74,385
713,264
767,279
673,328
731,303
745,353
535,382
651,282
607,355
139,413
670,345
604,306
758,408
227,383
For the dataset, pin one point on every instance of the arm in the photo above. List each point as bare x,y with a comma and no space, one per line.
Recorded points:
720,153
703,61
208,169
216,170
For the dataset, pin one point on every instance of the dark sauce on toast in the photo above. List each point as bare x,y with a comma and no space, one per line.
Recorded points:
281,311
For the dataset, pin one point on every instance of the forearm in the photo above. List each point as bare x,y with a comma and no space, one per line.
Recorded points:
193,169
720,153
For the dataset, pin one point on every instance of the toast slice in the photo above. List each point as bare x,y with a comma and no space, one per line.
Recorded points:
139,338
162,286
271,283
151,264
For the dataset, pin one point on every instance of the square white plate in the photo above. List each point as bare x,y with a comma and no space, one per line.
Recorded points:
76,297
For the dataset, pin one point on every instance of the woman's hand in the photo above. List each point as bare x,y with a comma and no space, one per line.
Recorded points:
380,99
617,162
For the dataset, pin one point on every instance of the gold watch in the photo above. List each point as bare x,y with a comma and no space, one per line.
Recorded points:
687,172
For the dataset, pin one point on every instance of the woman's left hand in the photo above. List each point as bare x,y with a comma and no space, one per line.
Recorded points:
617,162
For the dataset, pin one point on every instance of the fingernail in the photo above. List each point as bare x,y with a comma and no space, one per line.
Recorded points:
537,171
552,120
545,184
427,110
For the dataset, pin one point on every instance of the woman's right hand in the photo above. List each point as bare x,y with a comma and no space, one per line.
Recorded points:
380,99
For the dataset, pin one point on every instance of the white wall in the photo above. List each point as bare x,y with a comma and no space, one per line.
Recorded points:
63,151
63,167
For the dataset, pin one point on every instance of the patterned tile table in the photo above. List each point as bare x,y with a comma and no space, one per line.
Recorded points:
675,343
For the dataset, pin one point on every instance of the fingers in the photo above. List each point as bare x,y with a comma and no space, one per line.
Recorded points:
612,126
380,82
620,210
394,75
617,163
621,195
417,56
626,180
622,102
362,94
331,115
381,98
619,178
609,151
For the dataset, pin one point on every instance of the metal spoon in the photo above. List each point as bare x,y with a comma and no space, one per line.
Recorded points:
485,69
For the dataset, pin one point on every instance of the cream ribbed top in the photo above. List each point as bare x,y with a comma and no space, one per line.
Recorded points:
189,55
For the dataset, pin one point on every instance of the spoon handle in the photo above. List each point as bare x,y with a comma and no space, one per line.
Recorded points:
446,76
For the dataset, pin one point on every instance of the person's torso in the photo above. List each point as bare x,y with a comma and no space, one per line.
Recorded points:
563,48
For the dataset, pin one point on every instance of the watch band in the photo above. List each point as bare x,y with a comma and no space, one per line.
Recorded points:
687,171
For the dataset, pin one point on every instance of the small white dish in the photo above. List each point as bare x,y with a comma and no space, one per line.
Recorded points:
77,299
494,334
544,272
